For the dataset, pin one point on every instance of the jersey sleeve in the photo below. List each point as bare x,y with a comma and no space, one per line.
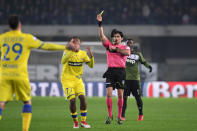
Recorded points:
66,55
88,61
143,61
107,43
38,44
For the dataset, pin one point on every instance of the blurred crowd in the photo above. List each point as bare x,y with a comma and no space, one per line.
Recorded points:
122,12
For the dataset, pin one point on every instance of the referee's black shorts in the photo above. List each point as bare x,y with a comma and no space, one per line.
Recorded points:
132,86
115,77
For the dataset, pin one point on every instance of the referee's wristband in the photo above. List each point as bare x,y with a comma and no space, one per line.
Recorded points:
100,23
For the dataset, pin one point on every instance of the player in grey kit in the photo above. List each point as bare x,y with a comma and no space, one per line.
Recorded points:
133,79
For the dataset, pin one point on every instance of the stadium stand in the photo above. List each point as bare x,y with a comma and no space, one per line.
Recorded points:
66,12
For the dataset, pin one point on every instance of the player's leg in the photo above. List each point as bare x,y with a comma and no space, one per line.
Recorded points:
109,88
140,107
6,93
2,106
83,108
80,91
23,93
109,103
69,91
125,96
73,111
26,115
120,104
136,91
124,107
83,111
120,85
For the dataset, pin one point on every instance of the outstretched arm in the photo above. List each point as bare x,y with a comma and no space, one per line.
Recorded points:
37,44
101,32
144,62
51,46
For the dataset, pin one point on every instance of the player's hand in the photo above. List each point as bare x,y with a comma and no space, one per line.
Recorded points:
89,51
150,68
70,46
112,48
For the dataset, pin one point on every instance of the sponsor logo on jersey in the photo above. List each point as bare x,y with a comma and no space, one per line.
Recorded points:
10,66
133,56
131,61
75,63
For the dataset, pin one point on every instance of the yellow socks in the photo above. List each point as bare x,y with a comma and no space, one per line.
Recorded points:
0,113
83,115
74,116
26,117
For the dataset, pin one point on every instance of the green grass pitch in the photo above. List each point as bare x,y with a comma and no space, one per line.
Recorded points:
52,114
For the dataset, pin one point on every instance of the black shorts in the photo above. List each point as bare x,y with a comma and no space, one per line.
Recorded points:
132,86
115,77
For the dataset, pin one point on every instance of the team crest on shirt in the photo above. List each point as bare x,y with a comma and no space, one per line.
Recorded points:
34,38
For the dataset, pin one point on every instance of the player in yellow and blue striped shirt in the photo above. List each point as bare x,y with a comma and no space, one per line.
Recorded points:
15,48
73,60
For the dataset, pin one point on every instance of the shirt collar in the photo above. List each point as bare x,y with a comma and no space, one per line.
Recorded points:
15,31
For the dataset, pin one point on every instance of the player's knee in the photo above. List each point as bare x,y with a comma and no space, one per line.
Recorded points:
83,106
27,102
72,101
82,97
82,100
125,97
120,93
120,96
138,99
109,94
2,105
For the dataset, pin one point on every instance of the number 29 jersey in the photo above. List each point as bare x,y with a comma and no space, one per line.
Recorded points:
15,48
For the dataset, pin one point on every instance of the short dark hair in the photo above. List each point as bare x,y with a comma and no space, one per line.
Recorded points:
129,39
13,21
74,37
115,31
